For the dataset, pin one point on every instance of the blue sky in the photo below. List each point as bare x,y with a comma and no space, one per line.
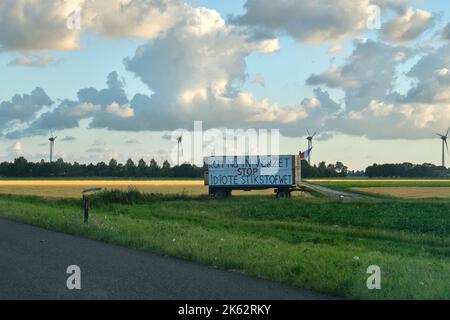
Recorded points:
277,70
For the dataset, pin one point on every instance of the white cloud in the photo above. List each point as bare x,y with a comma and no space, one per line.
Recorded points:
195,65
432,78
33,60
408,26
260,80
17,148
335,49
380,120
125,111
34,25
69,139
313,22
143,113
370,73
442,72
132,141
131,18
373,106
82,110
375,109
22,108
311,103
99,146
267,46
197,70
400,56
43,24
446,32
333,78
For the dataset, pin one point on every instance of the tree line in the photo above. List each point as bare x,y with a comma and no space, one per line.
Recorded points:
405,170
338,170
22,168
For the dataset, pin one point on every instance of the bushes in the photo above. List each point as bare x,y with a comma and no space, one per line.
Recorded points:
134,196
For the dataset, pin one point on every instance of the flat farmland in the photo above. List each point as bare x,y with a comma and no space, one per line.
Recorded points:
73,188
60,188
319,244
396,188
316,243
407,192
352,183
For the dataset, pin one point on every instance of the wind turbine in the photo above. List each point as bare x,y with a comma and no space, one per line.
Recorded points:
180,145
444,145
52,145
310,139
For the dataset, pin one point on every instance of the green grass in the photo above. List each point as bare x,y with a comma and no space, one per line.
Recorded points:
316,244
348,185
359,186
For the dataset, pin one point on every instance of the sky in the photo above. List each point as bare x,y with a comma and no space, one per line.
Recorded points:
120,78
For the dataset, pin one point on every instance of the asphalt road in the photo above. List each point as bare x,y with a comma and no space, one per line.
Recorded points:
33,264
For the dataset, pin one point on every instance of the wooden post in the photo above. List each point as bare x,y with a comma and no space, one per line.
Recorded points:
86,202
86,209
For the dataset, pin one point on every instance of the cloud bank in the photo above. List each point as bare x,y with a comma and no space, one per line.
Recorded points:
194,65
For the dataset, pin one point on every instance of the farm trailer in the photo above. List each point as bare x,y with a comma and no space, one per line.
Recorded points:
227,173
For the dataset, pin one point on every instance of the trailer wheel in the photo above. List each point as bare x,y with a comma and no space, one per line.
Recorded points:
222,193
283,194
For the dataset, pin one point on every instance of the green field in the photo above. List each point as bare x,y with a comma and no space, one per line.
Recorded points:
349,184
393,188
316,244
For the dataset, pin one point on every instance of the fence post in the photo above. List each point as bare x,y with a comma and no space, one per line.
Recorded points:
86,202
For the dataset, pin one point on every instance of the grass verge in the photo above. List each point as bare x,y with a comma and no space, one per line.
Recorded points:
316,244
349,184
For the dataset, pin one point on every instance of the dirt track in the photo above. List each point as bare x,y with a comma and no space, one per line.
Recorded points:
335,193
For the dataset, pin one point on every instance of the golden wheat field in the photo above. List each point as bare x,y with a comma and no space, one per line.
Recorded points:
408,192
74,188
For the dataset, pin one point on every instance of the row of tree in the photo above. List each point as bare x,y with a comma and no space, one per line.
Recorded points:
406,170
324,171
23,168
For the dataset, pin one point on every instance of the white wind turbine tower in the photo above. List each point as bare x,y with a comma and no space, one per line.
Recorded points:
180,145
52,145
310,139
444,145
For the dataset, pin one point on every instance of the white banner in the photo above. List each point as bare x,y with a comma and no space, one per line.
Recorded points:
251,171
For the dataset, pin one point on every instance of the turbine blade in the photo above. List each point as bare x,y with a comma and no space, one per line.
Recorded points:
315,133
448,131
446,144
309,134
